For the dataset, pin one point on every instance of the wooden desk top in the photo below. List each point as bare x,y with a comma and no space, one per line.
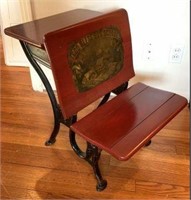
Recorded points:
33,32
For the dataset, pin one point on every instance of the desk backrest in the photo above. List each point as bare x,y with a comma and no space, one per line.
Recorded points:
90,59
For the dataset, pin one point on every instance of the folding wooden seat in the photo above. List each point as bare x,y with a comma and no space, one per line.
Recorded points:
90,60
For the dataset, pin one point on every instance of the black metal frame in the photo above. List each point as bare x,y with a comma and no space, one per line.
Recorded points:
92,156
58,118
93,153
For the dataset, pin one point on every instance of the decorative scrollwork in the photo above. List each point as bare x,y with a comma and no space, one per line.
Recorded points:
96,57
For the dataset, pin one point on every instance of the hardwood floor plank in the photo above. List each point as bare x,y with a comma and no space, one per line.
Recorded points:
47,157
139,164
183,149
152,176
58,182
163,190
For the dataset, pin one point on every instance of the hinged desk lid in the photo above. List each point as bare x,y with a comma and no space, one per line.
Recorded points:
34,31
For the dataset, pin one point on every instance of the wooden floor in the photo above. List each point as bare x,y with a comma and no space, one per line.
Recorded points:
30,170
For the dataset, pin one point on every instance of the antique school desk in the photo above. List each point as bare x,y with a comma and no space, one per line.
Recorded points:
91,56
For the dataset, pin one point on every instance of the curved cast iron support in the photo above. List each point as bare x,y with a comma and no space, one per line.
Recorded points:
56,110
104,100
92,154
96,153
73,143
121,88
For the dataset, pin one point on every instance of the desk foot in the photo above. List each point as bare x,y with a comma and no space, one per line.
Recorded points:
101,186
148,143
92,156
50,142
96,153
55,131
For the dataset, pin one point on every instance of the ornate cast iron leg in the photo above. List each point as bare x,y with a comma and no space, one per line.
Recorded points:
55,106
96,153
92,154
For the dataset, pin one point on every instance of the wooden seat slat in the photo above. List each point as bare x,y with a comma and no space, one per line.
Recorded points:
124,121
143,133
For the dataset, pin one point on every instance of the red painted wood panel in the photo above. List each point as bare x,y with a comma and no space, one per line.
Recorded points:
57,45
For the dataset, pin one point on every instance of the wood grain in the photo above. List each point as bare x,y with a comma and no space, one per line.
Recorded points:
30,170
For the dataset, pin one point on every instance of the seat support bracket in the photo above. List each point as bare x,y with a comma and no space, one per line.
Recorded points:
92,156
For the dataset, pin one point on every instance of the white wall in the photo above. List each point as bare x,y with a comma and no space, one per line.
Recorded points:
163,23
14,12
